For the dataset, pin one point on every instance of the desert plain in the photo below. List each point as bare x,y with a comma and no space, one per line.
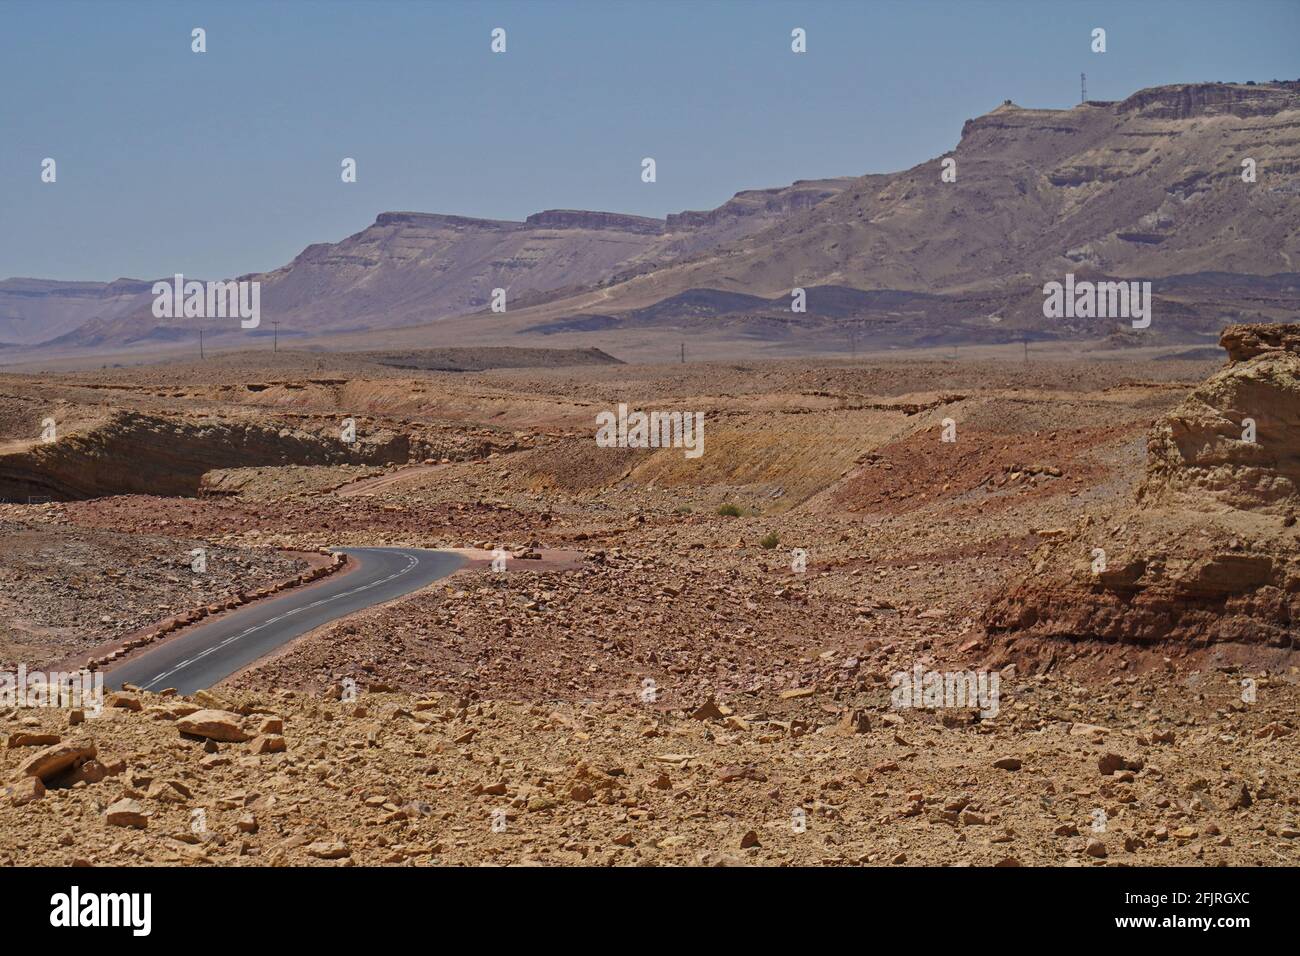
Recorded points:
686,660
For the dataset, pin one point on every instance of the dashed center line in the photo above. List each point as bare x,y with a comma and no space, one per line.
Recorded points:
412,562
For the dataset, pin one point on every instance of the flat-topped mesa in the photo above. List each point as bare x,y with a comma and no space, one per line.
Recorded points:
1235,441
1179,101
1184,100
584,219
435,220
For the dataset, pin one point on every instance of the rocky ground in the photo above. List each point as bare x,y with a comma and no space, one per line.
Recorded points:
64,589
677,689
1179,771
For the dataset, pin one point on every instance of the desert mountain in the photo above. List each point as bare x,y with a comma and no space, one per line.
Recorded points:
1152,187
1148,188
37,310
413,267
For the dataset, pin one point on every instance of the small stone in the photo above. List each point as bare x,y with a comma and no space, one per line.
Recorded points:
328,850
92,771
168,791
581,793
1108,763
126,813
709,710
267,744
26,790
854,721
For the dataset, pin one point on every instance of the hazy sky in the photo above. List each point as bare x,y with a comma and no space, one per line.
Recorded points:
228,162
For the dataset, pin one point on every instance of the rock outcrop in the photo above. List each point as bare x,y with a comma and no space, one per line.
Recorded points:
1208,552
1235,441
132,453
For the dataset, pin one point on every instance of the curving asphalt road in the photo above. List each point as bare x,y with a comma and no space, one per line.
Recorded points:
210,652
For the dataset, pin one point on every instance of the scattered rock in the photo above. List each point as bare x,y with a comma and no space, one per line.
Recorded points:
54,760
126,813
219,725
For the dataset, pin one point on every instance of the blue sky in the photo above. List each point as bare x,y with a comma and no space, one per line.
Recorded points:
227,162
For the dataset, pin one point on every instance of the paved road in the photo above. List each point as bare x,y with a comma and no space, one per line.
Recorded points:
210,652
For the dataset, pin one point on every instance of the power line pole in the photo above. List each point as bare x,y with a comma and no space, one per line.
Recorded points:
275,336
200,343
683,353
1083,87
1026,350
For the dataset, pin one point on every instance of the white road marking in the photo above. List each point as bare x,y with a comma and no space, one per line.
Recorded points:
412,562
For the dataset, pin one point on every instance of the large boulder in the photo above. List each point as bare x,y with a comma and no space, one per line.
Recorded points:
219,725
52,761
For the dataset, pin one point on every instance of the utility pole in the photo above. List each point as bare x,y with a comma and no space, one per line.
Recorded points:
1083,87
1026,350
683,353
275,336
200,343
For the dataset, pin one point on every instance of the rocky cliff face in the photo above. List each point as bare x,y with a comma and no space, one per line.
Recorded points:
1208,552
752,203
411,267
582,219
1146,188
1187,100
1235,441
